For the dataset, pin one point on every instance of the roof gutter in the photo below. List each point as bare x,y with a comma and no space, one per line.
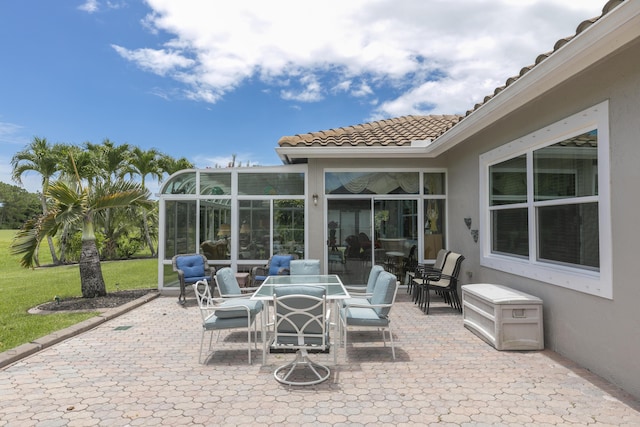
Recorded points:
289,154
611,32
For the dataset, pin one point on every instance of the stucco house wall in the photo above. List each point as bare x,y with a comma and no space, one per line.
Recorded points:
600,334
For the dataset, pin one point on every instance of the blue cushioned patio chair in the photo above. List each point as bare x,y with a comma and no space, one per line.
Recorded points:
219,314
301,325
302,267
190,269
228,286
277,265
359,293
375,312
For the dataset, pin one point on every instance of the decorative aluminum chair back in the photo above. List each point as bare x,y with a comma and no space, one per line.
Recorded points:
301,324
300,316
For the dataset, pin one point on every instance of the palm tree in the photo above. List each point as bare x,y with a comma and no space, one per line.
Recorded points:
143,163
112,162
40,157
169,165
74,203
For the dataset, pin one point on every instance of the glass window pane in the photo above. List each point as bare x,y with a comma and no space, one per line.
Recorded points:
396,225
349,248
271,184
180,228
288,224
255,223
215,183
215,229
434,183
184,183
508,181
569,234
567,169
372,183
434,226
510,231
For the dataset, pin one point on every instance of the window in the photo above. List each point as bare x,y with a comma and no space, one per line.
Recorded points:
545,216
395,210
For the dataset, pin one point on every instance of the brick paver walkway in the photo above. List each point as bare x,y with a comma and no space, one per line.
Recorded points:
142,369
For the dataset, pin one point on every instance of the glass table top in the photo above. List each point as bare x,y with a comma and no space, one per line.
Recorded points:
331,282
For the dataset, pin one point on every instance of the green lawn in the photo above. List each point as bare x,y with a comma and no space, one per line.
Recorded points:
22,289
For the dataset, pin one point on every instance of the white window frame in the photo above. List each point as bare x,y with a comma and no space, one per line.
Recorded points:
584,280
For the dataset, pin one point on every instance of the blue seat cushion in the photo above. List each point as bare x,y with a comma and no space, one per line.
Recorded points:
383,292
359,301
214,322
192,266
254,308
279,262
357,316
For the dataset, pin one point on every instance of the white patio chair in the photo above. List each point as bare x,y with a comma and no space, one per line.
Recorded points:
304,267
219,314
301,325
228,286
373,313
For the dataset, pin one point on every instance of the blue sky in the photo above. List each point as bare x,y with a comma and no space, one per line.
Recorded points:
206,79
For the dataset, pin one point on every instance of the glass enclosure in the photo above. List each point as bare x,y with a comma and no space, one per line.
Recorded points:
241,217
389,218
235,217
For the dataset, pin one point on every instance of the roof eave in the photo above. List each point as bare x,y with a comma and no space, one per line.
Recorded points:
289,154
611,32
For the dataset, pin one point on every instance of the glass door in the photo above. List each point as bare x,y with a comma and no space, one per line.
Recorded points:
349,244
396,233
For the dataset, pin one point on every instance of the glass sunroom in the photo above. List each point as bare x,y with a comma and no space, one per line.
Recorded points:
235,217
349,219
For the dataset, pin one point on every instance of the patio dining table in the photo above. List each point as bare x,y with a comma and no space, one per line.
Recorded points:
331,282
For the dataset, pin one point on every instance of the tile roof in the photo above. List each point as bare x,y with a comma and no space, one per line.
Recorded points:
402,130
398,131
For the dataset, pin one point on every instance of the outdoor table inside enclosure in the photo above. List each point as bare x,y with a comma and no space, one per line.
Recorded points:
331,282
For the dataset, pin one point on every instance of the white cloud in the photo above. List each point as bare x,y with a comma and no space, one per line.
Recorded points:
89,6
159,62
93,6
9,134
433,55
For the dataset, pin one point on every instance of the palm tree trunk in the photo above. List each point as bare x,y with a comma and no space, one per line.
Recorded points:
146,233
91,280
52,248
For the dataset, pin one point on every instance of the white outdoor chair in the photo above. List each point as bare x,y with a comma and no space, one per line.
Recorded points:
219,314
228,286
372,313
301,325
365,291
304,267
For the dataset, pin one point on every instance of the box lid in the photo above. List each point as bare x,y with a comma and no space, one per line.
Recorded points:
500,294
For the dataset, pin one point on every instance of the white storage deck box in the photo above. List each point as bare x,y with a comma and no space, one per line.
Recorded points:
505,318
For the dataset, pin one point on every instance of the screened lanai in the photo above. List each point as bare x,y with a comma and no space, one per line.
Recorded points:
349,219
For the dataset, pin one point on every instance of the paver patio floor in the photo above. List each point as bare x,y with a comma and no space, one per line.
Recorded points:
142,369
